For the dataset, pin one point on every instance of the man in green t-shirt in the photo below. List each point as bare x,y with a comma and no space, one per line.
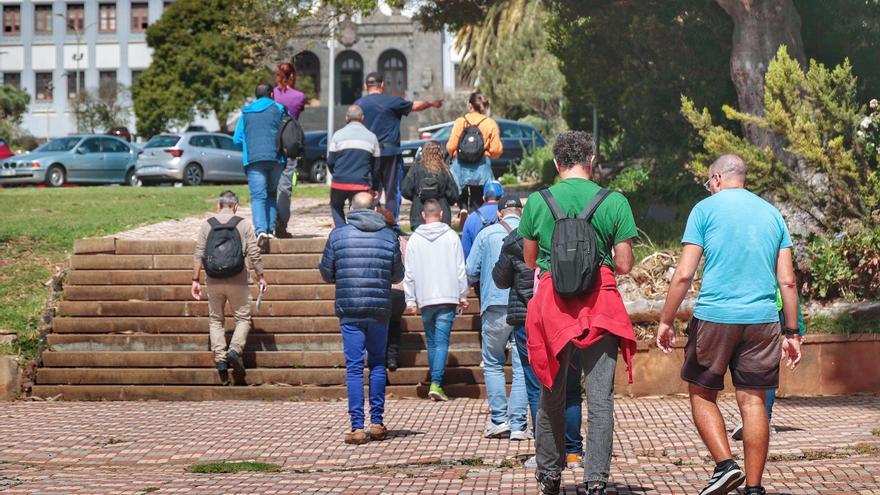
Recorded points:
593,325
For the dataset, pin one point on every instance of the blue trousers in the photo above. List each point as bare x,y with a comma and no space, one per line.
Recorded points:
359,339
438,325
770,399
533,386
263,180
391,168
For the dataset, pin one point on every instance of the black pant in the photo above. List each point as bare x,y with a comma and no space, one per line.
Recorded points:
471,198
398,306
337,204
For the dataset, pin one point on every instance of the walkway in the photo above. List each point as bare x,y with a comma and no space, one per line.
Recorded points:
825,445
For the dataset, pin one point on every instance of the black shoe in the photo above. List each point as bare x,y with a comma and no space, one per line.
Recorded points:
391,363
724,480
595,489
549,483
755,490
221,365
235,360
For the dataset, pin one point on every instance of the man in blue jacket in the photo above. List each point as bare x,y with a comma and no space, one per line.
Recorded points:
483,216
257,132
363,259
353,159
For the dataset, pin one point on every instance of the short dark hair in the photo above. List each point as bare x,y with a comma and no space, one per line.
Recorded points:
263,90
374,79
432,208
573,148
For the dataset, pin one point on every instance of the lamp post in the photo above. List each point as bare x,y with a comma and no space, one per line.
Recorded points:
78,56
331,87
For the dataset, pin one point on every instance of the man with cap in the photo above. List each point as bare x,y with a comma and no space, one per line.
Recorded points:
382,114
483,216
506,419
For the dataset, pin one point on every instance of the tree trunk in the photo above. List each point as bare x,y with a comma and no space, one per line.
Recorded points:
221,120
759,28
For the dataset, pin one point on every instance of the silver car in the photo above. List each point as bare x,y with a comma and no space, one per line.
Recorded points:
192,158
86,159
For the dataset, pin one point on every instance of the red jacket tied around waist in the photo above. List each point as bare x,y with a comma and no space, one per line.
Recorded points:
553,321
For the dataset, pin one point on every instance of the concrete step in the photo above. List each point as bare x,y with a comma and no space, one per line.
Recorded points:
209,392
189,324
199,308
180,261
255,342
263,359
253,376
181,277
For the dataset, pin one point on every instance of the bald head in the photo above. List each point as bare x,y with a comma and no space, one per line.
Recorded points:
362,201
731,169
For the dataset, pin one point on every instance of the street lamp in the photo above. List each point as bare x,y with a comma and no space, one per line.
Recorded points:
78,55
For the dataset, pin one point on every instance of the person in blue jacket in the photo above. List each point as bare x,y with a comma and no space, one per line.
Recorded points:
363,259
257,132
483,216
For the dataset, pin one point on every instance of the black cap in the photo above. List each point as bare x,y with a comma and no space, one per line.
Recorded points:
509,201
374,78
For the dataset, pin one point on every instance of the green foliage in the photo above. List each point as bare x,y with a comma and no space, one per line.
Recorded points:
13,104
819,170
630,180
845,325
509,179
100,111
195,70
846,266
234,467
546,128
537,165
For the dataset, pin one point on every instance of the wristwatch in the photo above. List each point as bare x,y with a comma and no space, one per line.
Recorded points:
790,331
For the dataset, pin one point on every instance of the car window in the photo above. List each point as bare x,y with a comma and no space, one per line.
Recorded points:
202,141
227,144
323,142
60,144
511,131
91,146
113,146
162,141
442,133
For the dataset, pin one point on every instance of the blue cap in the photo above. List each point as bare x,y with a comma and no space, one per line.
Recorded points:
493,190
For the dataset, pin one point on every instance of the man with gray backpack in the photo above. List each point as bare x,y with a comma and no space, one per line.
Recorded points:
222,244
578,235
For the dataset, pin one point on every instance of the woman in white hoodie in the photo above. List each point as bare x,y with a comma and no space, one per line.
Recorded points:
436,283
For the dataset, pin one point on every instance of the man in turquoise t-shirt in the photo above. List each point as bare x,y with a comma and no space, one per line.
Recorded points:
747,251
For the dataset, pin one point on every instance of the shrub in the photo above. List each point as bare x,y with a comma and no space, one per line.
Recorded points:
538,165
630,180
845,266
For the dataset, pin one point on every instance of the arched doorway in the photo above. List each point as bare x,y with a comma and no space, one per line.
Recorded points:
349,77
392,64
308,73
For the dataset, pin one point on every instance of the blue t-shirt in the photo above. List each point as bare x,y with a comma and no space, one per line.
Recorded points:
741,235
382,114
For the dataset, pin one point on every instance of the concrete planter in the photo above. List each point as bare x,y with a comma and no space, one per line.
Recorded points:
10,378
831,365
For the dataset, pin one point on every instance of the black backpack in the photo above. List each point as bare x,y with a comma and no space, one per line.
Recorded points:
224,256
430,187
574,248
291,139
471,145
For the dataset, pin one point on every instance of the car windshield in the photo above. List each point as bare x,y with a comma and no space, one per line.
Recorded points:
164,141
442,133
61,144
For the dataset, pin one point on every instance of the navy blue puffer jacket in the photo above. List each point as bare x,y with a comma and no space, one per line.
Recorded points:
363,259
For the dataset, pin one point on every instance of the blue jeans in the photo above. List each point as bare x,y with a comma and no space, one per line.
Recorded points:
574,441
496,334
391,168
533,386
263,180
438,325
358,339
769,400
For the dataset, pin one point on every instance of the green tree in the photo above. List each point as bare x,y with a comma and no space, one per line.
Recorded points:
195,70
13,104
102,110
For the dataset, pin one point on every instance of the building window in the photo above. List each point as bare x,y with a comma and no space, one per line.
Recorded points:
12,79
308,73
135,74
392,64
350,72
11,20
107,84
139,17
73,81
43,19
75,17
107,18
44,87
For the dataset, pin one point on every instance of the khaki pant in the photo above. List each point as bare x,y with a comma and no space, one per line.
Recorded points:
236,291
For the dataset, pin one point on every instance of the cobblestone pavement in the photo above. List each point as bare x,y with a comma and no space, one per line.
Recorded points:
824,445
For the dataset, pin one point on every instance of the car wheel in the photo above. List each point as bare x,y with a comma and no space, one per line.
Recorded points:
132,180
56,176
318,172
193,175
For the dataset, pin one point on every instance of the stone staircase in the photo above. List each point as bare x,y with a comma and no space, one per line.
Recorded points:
128,329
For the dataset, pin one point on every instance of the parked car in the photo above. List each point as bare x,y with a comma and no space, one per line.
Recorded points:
314,161
516,137
192,158
73,159
121,132
5,151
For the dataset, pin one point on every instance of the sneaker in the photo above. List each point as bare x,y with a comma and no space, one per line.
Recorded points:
521,435
531,462
549,483
493,430
221,365
573,460
437,393
234,359
377,432
263,242
391,363
737,433
356,437
754,490
597,488
724,480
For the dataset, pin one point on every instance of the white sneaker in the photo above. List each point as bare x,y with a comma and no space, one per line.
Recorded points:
496,431
531,463
521,435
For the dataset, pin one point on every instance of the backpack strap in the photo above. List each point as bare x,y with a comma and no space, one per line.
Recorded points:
485,222
555,209
506,227
231,224
593,205
468,122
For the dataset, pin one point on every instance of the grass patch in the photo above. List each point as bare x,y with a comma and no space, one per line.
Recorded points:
845,325
876,432
311,191
471,461
234,467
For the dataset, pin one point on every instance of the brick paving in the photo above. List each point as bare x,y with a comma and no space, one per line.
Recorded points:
825,445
